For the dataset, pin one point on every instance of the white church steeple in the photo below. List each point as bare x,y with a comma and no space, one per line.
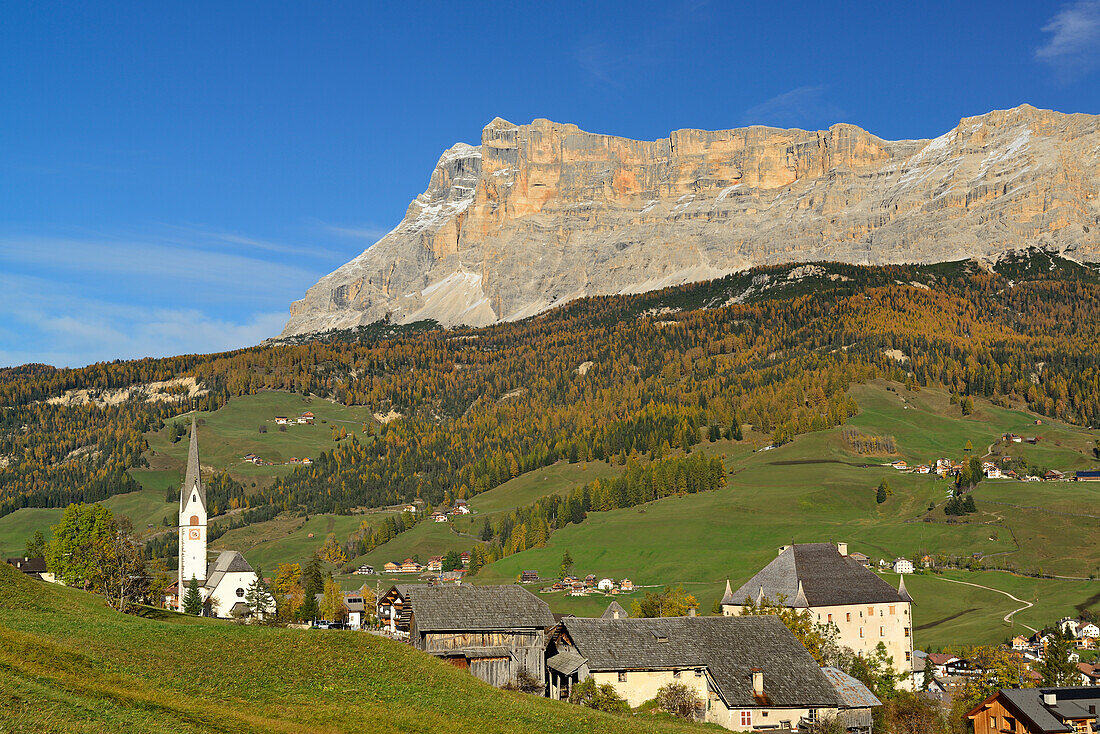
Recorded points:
192,527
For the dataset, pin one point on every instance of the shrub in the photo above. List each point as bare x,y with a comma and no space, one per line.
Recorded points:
601,698
679,700
525,682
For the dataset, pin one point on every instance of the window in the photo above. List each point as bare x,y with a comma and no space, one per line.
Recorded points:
906,631
870,611
698,673
830,619
622,676
881,631
676,674
993,722
908,656
893,610
240,593
194,519
848,617
746,718
861,633
811,715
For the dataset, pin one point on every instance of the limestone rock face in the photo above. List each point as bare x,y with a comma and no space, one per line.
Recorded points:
544,213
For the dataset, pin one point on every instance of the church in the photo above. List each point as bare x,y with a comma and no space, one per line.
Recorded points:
224,583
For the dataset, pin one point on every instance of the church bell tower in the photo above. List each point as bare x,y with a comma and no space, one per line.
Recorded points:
192,527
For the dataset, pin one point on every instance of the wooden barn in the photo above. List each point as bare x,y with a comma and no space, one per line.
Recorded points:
496,632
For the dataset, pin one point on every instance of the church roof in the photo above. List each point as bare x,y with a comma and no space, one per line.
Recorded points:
613,607
192,479
815,574
227,562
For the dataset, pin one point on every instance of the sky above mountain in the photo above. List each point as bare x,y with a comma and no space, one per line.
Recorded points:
172,176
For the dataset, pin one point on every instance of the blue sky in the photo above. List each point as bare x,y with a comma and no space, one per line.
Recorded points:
173,175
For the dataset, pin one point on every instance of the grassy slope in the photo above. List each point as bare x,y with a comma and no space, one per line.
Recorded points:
68,664
233,431
814,489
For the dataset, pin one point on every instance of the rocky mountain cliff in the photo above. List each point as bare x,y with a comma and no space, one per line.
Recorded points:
541,214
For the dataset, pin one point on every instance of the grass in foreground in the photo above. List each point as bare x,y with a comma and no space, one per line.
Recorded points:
68,664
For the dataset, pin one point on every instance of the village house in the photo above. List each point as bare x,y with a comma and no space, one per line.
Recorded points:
749,672
861,559
626,585
1038,711
605,585
903,565
993,472
355,610
306,418
900,465
837,589
435,563
1019,642
438,517
465,558
409,508
923,469
460,508
528,577
1087,476
590,580
498,633
281,420
1053,476
392,567
364,571
35,567
411,566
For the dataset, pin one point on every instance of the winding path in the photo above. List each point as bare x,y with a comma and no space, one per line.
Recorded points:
1007,617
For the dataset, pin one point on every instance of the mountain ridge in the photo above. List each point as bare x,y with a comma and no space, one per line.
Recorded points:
541,214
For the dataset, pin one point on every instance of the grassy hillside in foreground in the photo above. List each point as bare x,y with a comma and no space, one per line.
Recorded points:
68,664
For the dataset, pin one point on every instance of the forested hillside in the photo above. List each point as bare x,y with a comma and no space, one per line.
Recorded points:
603,378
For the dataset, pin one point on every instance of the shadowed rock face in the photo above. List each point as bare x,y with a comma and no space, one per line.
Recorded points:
544,213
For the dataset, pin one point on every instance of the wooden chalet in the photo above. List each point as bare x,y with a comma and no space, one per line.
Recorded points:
1038,711
495,632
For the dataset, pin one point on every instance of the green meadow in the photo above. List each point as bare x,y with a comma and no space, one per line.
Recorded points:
69,664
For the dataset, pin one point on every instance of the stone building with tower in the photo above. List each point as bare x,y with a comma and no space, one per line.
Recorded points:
835,589
223,583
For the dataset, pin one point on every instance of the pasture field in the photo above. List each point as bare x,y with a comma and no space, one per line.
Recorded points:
69,664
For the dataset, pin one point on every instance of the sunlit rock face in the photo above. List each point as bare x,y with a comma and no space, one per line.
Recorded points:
544,213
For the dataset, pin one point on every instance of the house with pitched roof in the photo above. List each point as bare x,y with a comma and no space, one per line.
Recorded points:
836,589
749,672
1038,711
497,633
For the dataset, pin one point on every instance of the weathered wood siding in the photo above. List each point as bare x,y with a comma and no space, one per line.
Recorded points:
527,648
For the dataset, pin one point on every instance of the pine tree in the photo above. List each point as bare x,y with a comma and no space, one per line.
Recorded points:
880,493
257,597
566,565
192,600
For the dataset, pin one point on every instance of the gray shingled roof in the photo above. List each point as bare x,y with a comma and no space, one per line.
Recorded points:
565,662
1071,703
227,562
853,694
467,607
827,578
613,607
728,647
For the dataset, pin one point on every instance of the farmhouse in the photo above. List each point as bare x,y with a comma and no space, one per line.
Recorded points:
1038,711
1087,476
498,633
749,672
391,567
902,565
836,588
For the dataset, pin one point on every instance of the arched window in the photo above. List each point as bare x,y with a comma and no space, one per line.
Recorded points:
194,519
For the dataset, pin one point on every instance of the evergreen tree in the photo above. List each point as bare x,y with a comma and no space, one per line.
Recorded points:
36,546
1056,668
566,565
880,493
258,597
192,600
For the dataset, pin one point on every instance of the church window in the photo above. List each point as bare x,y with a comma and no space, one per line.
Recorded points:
622,677
240,593
194,498
194,519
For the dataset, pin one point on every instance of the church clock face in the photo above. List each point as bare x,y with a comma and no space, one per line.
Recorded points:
193,533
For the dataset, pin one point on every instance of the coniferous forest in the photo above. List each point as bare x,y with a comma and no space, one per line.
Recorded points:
604,378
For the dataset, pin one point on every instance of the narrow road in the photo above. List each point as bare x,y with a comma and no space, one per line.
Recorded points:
1007,617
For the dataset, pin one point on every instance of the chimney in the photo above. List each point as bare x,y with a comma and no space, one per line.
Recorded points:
843,548
691,612
614,613
1050,698
757,682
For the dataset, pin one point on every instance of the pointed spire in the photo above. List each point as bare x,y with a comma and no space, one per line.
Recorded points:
800,598
760,596
727,598
902,591
192,479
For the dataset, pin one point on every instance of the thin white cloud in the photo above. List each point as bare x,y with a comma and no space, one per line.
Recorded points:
1073,48
205,236
185,267
359,233
801,106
